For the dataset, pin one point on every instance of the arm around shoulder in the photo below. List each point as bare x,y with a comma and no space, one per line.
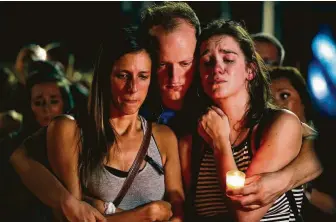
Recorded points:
280,144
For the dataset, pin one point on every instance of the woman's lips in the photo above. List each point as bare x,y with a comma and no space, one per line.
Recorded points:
131,101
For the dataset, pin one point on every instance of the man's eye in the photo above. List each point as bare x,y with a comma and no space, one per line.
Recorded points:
185,64
284,96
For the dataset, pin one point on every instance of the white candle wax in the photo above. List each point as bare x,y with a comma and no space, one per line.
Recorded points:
235,179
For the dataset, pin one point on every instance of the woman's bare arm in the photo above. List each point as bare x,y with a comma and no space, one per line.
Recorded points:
168,145
280,145
185,146
63,151
45,186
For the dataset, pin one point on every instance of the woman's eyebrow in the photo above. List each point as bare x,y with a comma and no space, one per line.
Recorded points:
226,51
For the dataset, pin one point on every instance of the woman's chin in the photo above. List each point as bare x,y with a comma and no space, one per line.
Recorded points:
129,111
218,95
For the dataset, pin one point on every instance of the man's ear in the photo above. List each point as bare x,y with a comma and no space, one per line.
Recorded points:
251,71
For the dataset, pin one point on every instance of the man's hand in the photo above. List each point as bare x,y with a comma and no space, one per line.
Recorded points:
259,190
75,210
160,210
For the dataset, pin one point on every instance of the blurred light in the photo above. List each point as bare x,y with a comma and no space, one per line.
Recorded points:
319,85
324,48
41,54
321,92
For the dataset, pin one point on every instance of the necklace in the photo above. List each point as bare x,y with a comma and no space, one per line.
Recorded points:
240,132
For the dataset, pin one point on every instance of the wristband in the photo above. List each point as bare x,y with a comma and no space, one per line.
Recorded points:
109,208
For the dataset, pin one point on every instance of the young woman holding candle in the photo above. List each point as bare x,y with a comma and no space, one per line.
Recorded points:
240,129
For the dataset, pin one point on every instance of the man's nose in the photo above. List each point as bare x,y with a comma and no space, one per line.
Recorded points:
174,73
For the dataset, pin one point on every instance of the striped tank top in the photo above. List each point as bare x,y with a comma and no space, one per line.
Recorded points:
210,198
148,185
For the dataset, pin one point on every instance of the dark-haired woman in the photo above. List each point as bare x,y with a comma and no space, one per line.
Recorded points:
48,95
93,155
290,92
237,99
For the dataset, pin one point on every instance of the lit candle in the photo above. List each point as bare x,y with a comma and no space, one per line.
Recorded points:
235,179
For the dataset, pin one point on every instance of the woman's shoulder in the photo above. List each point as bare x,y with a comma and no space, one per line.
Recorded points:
163,131
283,116
64,125
164,137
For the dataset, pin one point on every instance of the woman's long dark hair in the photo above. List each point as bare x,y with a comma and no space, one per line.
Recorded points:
258,87
44,72
97,133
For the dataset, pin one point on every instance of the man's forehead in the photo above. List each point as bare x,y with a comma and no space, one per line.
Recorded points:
180,26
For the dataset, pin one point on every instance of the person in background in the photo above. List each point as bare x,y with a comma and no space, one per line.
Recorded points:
10,120
48,96
60,55
269,48
290,92
13,105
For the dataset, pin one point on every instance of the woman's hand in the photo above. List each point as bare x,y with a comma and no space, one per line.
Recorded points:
214,125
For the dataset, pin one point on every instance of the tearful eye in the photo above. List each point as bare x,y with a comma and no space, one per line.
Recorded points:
209,63
162,65
228,61
284,96
121,76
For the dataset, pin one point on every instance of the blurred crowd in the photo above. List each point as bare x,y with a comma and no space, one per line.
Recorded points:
43,84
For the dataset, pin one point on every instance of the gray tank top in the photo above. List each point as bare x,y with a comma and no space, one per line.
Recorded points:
147,186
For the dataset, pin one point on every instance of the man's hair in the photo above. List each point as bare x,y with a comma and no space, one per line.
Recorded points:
264,37
169,15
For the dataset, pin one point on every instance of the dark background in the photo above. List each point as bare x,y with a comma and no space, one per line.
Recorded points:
79,25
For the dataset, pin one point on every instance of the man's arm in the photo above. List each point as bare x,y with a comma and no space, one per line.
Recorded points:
305,167
45,186
262,189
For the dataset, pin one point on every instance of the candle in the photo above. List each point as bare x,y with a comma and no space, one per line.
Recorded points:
235,179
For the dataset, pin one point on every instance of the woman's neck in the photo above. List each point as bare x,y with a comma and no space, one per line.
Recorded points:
235,108
125,124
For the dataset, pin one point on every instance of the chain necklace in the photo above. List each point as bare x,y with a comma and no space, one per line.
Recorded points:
233,144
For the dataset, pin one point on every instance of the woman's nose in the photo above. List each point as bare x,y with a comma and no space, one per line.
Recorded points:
133,86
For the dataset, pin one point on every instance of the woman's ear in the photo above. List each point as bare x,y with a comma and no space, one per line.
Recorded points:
251,71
